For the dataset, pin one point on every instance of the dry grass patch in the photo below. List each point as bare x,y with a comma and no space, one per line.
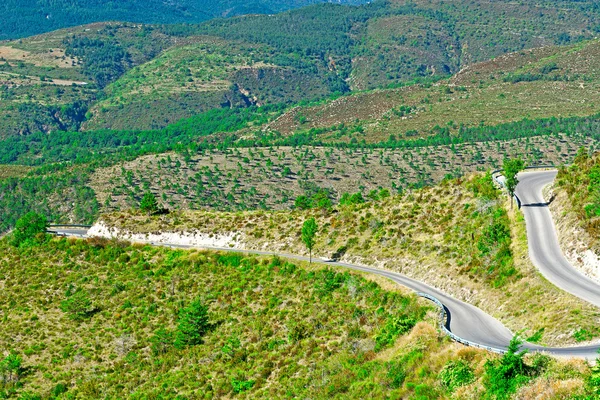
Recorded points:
13,171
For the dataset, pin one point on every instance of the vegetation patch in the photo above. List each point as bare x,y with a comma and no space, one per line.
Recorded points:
427,234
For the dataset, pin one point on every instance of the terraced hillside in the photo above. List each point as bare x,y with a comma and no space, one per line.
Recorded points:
272,178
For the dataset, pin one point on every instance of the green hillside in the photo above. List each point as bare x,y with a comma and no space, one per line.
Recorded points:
48,82
96,76
581,184
112,314
462,228
555,81
108,319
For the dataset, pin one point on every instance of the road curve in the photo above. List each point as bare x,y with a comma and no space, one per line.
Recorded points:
544,250
465,320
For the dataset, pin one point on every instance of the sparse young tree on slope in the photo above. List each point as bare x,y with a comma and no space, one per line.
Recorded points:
309,231
149,203
192,325
512,167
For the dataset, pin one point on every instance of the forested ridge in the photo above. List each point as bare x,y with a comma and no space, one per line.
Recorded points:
150,76
29,17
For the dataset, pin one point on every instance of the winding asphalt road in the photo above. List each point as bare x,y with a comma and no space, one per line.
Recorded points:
465,320
544,249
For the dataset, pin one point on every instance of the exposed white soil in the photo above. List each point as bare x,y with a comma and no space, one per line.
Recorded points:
575,242
195,239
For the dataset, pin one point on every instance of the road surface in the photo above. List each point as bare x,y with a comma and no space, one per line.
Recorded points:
544,250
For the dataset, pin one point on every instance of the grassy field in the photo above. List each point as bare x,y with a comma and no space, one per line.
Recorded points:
427,234
13,171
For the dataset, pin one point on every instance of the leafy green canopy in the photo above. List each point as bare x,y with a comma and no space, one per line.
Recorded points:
149,203
504,376
192,325
511,168
29,229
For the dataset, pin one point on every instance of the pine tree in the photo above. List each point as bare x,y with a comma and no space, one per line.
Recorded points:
149,203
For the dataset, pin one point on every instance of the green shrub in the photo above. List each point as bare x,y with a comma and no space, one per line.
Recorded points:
592,382
456,374
583,335
29,229
348,199
302,203
240,386
149,203
161,342
11,368
326,281
536,337
192,325
395,374
59,389
394,327
483,187
77,305
505,376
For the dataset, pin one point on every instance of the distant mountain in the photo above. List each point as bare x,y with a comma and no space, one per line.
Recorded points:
21,18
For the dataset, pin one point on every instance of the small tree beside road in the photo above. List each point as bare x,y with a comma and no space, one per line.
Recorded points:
511,168
29,229
309,231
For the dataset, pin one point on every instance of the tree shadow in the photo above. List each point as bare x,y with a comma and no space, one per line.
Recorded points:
448,318
536,205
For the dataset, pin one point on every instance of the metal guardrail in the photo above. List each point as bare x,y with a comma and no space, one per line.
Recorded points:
443,322
69,226
67,234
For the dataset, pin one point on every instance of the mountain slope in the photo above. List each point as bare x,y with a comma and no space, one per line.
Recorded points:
554,81
29,17
301,55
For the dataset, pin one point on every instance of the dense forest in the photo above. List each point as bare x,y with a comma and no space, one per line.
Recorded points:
29,17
